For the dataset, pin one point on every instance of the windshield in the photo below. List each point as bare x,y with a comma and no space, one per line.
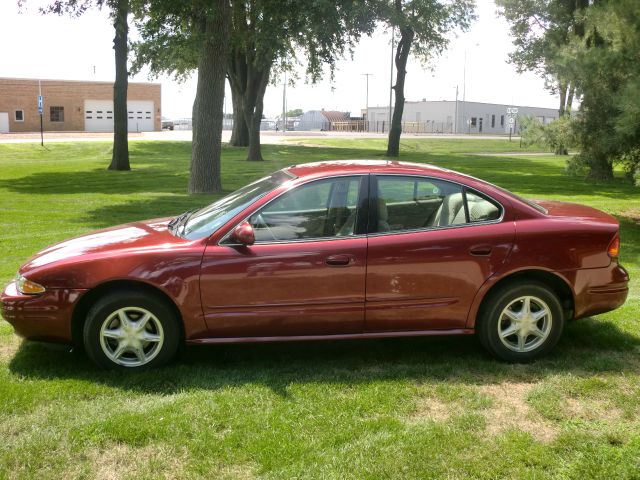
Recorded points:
205,221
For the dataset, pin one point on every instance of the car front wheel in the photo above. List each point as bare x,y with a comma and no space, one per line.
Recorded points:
131,330
521,322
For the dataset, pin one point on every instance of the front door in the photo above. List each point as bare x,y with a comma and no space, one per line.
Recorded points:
305,274
435,244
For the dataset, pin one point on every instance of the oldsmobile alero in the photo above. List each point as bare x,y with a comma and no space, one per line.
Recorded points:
334,250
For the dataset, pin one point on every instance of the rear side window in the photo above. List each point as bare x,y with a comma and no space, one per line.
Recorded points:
481,209
413,203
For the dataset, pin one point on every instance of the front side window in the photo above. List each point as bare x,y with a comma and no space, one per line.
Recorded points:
56,114
321,209
413,203
19,116
207,220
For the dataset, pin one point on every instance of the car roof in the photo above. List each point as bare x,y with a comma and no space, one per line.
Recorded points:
345,167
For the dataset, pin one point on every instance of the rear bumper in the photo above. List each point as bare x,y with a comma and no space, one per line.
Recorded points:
45,317
599,290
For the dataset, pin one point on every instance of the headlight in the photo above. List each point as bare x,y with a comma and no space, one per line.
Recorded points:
27,287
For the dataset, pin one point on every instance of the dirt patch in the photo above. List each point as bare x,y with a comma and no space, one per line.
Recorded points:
510,410
633,215
592,410
9,345
429,408
117,461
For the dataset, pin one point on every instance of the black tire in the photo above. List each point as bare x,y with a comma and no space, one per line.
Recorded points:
494,320
161,324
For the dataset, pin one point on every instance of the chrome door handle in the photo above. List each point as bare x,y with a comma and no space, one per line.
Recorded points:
338,260
480,250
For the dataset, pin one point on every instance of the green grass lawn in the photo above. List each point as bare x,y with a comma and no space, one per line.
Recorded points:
398,408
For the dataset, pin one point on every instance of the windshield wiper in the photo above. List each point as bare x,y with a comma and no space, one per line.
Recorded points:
182,218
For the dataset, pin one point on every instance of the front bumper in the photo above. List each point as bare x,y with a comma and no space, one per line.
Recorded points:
45,317
600,290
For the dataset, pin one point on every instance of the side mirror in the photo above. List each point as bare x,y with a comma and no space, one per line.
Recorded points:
243,234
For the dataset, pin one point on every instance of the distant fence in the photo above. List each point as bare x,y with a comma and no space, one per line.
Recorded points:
227,124
382,126
350,126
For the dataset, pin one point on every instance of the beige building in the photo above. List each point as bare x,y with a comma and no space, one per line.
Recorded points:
76,106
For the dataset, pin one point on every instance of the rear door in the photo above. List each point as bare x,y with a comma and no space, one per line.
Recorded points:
305,274
433,244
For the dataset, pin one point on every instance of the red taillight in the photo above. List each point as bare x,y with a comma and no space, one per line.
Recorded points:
614,247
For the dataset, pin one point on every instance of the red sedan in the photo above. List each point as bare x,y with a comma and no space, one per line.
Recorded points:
336,250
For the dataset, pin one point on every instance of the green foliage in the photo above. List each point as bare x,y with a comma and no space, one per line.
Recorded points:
608,76
295,112
432,22
268,32
555,136
417,408
541,29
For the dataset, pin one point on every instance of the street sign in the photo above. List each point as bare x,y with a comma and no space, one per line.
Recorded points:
512,120
40,104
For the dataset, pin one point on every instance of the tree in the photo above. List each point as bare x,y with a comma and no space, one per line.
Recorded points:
264,37
422,26
297,112
541,29
177,37
607,74
119,14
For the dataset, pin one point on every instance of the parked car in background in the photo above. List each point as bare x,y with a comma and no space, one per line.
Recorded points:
322,251
167,125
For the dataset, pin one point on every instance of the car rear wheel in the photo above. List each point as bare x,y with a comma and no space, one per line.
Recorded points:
521,322
131,330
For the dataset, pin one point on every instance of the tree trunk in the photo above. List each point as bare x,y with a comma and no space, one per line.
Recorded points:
253,106
120,157
562,89
600,168
572,90
208,107
240,133
402,54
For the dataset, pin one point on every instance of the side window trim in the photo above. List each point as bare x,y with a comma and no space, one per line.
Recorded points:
372,216
467,218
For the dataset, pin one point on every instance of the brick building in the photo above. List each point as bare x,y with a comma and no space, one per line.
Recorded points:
75,106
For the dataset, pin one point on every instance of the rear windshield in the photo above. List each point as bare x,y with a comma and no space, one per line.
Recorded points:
532,204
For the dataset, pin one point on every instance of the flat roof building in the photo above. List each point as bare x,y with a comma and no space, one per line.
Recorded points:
76,106
459,117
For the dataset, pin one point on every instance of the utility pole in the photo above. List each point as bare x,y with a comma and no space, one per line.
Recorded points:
464,91
455,125
40,110
284,104
391,76
367,75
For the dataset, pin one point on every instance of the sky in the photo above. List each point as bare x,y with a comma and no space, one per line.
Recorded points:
52,47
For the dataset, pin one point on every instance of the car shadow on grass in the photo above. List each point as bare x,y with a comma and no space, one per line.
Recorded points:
588,347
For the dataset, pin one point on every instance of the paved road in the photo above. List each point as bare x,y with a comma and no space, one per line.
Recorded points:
185,135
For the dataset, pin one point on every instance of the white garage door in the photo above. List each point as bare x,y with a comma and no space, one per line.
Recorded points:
4,122
98,116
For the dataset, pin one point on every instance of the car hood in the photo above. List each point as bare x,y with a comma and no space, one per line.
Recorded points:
137,236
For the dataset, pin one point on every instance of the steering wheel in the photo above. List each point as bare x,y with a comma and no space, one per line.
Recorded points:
260,221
